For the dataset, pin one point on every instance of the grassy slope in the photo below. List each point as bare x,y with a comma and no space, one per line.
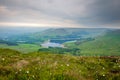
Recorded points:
66,32
45,66
108,44
22,47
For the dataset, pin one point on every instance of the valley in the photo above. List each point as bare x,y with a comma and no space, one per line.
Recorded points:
88,42
61,54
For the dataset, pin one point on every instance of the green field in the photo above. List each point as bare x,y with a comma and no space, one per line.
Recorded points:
106,45
25,48
46,66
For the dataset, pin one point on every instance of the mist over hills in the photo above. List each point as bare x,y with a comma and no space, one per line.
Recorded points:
12,31
33,35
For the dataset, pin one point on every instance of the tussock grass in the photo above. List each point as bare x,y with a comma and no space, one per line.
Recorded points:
47,66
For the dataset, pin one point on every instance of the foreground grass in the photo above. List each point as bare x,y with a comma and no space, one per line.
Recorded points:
47,66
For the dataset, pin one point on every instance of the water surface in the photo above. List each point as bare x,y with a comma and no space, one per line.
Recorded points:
51,44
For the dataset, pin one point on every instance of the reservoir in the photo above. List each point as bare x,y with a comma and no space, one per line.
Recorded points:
51,44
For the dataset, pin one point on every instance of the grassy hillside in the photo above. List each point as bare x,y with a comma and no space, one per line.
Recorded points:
45,66
58,35
25,48
7,42
109,44
63,33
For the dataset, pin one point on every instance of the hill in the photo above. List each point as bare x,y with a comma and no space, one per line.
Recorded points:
67,33
70,31
39,35
108,44
47,66
19,34
7,42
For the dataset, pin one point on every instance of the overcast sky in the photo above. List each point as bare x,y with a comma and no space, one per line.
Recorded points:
60,13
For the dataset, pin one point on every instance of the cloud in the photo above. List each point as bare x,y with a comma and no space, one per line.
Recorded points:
106,10
89,13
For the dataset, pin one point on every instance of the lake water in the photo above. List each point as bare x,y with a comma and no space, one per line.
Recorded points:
51,44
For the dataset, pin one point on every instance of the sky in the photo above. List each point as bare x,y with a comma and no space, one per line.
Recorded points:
60,13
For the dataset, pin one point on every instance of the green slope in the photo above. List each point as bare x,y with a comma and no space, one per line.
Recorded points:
25,48
45,66
109,44
63,33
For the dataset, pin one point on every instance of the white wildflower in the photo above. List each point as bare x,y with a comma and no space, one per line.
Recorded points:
3,59
16,72
33,76
103,68
68,65
27,72
20,70
103,74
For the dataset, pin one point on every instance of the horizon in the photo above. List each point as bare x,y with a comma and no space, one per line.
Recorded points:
50,27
